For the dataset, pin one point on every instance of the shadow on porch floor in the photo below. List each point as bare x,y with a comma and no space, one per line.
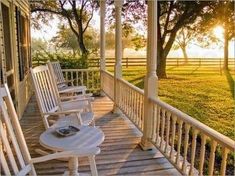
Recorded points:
120,152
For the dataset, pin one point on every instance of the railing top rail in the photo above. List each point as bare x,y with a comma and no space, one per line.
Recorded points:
131,86
107,72
220,138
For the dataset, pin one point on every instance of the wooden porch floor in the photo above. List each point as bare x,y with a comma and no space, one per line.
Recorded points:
120,152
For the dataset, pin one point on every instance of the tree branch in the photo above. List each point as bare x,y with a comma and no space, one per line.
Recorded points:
67,16
88,20
45,10
167,20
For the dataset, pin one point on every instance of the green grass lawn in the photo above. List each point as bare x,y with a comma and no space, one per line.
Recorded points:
208,96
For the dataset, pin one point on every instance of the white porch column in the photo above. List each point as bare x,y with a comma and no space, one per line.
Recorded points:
150,83
118,50
102,44
102,34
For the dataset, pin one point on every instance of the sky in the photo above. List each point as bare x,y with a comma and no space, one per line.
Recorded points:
49,31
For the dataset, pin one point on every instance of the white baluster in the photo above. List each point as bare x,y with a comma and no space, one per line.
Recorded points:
202,154
224,161
158,124
168,114
194,143
162,128
184,167
173,137
180,123
154,122
212,157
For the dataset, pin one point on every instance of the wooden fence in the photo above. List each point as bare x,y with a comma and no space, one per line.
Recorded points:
200,62
204,64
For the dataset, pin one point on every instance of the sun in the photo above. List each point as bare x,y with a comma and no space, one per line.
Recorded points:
219,32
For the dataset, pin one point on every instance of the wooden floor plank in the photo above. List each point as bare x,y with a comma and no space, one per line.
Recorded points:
120,152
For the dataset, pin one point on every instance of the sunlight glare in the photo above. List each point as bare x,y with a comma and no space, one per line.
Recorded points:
219,32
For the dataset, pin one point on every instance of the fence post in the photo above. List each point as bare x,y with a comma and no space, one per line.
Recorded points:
177,60
200,62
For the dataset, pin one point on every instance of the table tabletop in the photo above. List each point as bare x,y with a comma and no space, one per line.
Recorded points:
87,137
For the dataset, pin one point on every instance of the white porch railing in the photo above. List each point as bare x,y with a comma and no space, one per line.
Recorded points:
187,143
84,77
131,102
107,80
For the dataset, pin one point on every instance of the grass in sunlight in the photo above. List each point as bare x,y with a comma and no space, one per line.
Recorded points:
206,96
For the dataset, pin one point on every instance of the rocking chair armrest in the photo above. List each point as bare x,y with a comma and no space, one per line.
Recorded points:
67,81
86,97
63,112
66,154
73,90
85,100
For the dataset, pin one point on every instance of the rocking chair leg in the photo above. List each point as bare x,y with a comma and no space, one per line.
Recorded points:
93,166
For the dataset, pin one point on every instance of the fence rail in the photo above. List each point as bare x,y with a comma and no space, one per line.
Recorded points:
209,63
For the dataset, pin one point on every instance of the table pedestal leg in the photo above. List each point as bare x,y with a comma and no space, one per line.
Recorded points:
73,167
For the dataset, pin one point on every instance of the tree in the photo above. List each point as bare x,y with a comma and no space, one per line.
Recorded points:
182,40
222,14
172,16
139,41
130,38
77,13
65,38
37,45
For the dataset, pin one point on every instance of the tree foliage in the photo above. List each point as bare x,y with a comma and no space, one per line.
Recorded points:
65,38
78,14
172,16
221,14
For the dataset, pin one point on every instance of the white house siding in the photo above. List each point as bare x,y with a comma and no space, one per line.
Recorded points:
22,88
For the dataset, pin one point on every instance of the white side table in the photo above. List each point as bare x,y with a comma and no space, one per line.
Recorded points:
87,137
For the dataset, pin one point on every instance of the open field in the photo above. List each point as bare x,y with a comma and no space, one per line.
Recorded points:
208,97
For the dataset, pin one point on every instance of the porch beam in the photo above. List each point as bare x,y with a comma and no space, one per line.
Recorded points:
118,51
151,80
102,34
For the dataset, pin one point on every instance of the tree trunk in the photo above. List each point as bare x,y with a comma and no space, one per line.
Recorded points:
226,42
74,52
81,38
161,63
82,45
185,54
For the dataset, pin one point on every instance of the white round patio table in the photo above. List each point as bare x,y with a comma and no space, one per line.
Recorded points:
87,137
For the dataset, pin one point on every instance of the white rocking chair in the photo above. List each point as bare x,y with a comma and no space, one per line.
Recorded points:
62,84
75,111
14,154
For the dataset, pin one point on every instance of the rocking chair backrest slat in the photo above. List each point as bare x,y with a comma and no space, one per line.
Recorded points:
56,68
46,92
7,147
4,165
15,156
